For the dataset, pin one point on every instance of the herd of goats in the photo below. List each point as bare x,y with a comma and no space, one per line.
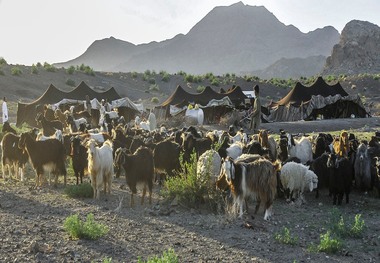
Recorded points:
257,166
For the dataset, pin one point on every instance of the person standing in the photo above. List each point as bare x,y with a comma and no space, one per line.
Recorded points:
256,111
5,110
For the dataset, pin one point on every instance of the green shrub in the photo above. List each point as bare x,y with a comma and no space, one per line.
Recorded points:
285,237
3,61
168,256
16,71
152,81
328,244
147,72
39,64
2,72
88,229
81,190
134,74
165,77
70,70
154,87
49,68
189,78
181,73
89,71
200,88
215,82
70,82
34,69
154,100
209,75
191,191
343,229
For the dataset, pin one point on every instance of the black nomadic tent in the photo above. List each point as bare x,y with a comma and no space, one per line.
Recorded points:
26,112
318,100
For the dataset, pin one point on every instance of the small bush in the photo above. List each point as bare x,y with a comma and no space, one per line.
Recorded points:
2,73
34,69
70,70
168,256
81,190
190,191
84,230
89,71
154,100
215,82
3,61
165,77
200,88
285,237
147,72
39,64
70,82
154,87
152,81
49,68
339,226
16,71
329,244
134,75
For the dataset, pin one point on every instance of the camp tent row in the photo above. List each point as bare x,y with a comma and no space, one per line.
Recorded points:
214,104
26,112
319,100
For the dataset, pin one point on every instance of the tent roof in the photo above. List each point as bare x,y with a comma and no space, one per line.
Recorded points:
182,97
301,94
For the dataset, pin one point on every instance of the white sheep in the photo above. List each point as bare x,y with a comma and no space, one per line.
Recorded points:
297,178
208,166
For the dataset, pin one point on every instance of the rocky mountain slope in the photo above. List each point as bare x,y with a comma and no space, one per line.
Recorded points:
233,39
358,50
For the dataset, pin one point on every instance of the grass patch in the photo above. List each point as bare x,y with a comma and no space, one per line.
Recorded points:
81,190
88,229
344,227
168,256
285,237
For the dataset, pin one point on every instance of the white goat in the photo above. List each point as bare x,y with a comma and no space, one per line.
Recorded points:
235,150
297,178
57,135
100,166
208,166
302,149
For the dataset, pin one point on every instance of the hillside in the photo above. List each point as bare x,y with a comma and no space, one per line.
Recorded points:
229,39
358,50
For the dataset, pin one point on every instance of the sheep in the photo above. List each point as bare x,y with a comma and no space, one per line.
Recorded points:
139,168
79,160
362,167
49,127
297,178
256,179
100,166
300,148
45,156
340,180
208,166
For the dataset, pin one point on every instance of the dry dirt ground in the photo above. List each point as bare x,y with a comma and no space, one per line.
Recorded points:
31,227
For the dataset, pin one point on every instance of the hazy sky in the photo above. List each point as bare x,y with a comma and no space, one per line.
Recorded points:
59,30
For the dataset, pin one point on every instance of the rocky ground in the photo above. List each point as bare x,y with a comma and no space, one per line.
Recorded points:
31,223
